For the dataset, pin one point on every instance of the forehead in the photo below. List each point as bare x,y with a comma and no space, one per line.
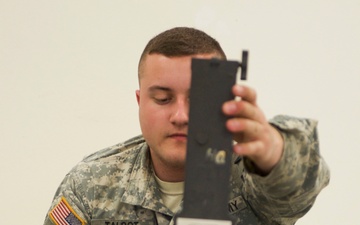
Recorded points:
154,63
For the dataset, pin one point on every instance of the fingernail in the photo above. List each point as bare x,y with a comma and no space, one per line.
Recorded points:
238,149
230,107
239,88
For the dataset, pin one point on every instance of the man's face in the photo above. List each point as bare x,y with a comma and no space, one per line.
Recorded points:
163,100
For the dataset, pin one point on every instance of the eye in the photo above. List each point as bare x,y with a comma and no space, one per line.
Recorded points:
163,101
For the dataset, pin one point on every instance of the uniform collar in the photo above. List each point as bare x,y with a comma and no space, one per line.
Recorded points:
142,189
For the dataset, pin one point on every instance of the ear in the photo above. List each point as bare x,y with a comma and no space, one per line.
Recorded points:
137,92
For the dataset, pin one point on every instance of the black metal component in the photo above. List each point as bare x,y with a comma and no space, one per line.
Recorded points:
209,143
244,65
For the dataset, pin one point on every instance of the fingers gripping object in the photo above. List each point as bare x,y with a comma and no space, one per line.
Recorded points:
209,143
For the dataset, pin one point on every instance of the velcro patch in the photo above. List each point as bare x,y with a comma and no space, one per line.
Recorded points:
236,204
63,214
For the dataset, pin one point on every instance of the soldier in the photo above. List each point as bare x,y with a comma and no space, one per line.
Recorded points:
277,170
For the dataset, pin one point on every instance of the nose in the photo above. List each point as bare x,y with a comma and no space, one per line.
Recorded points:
180,114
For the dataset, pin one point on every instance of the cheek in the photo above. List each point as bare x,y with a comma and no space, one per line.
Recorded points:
151,117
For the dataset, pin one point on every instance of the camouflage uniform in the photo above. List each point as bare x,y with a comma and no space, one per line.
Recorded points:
116,186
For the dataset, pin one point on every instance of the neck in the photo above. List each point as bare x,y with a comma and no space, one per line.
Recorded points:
169,173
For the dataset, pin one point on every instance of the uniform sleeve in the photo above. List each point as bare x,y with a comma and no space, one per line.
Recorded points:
289,191
69,203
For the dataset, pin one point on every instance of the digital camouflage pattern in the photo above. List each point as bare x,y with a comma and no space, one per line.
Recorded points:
116,186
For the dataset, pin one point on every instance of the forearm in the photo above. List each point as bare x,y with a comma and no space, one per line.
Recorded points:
292,186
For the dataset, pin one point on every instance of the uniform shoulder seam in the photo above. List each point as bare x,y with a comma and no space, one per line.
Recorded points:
115,149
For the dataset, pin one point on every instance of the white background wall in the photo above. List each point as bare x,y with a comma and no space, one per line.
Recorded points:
68,80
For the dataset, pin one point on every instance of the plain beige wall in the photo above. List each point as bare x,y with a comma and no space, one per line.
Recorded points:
68,80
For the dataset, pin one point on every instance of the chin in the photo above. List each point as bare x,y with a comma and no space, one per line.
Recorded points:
176,161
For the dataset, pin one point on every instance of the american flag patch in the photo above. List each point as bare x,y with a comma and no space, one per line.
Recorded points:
63,214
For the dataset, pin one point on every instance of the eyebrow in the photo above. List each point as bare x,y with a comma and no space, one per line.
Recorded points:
158,88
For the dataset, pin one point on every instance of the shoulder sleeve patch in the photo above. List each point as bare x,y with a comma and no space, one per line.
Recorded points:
63,214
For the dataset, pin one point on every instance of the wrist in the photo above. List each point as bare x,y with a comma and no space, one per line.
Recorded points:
274,154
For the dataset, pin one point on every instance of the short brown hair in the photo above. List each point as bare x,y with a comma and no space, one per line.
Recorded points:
181,41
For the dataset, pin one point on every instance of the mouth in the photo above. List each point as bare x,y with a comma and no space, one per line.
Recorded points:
178,136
